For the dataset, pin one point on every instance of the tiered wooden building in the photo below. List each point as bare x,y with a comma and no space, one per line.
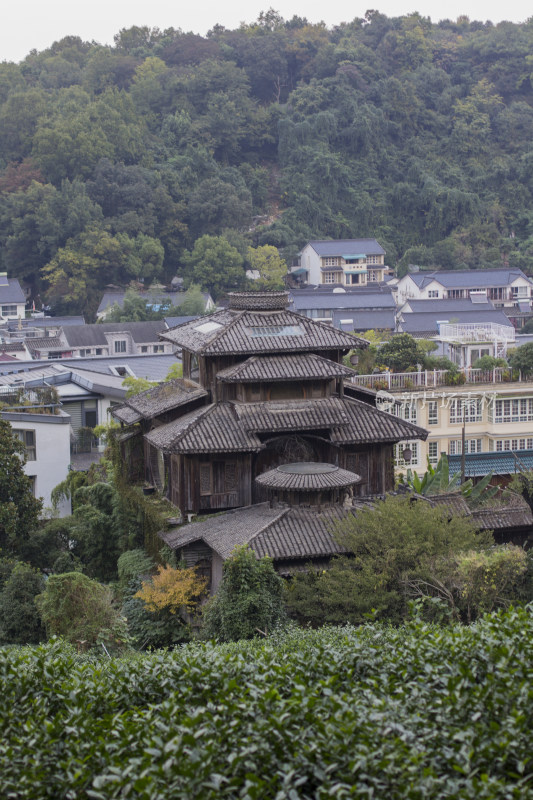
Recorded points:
262,387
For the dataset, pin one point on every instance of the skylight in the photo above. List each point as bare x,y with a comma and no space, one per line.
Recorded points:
276,330
208,327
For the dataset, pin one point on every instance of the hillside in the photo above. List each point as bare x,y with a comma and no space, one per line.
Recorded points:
115,160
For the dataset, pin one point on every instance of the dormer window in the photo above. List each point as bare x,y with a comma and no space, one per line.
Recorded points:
120,346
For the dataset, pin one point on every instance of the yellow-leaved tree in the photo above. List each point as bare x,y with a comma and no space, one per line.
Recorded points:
172,589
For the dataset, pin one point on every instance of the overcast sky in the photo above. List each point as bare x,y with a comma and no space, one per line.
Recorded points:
36,24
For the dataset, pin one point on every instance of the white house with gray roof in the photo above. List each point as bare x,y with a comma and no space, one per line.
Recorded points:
505,287
341,262
12,299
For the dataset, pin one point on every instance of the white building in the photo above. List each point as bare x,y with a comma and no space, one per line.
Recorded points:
505,287
12,299
342,262
46,438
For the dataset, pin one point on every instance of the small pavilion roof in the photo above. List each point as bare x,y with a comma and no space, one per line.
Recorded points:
308,476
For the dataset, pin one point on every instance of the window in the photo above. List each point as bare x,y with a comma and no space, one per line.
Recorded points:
9,311
406,411
455,447
85,352
205,479
433,412
98,351
519,410
455,294
331,277
276,330
433,293
520,291
144,348
433,452
399,450
512,444
230,477
159,348
331,262
465,410
28,440
372,276
120,346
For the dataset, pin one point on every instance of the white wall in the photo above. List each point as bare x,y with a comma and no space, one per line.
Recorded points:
52,448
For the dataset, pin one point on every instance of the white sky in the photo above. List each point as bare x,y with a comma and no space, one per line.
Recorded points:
36,24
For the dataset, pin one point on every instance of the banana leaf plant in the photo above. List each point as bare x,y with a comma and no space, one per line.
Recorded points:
437,480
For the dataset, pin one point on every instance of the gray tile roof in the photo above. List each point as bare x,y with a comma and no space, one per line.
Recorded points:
307,477
416,322
304,366
171,322
91,335
158,400
282,533
48,322
339,247
296,415
10,292
210,429
152,367
232,332
362,321
367,425
445,305
468,279
46,343
318,298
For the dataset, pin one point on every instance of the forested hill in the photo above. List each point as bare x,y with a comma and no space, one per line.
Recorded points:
116,160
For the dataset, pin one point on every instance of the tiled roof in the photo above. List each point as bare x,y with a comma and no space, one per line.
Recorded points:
157,400
416,322
466,279
499,463
307,477
152,367
339,247
210,429
367,424
10,291
348,320
306,299
281,533
445,305
233,332
304,366
46,343
91,335
292,415
231,427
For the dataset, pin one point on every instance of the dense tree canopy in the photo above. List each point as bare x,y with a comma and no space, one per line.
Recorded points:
414,132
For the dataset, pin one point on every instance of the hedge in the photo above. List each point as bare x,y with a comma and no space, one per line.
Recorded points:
419,711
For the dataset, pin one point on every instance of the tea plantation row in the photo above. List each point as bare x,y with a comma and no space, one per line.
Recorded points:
376,712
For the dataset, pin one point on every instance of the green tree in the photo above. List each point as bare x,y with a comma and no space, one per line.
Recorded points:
19,619
271,267
248,601
137,308
401,352
390,544
522,359
80,610
19,509
215,265
193,304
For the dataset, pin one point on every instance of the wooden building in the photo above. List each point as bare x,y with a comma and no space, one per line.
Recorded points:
262,386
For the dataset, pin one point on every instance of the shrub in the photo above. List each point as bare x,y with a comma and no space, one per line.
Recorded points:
249,599
19,619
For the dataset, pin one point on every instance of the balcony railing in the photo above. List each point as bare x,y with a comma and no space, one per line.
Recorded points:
427,379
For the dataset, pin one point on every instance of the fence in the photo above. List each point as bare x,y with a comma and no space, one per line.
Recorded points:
396,381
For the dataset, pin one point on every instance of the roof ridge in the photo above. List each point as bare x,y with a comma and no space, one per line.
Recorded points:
282,513
224,328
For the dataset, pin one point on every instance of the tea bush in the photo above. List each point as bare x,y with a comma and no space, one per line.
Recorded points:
418,711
